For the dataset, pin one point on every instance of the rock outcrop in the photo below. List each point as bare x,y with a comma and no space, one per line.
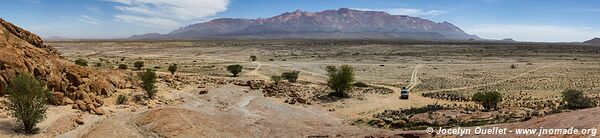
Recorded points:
22,52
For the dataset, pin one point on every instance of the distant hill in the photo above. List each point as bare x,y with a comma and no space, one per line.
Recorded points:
593,41
341,23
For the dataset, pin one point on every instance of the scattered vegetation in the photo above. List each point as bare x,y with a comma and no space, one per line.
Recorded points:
122,99
489,100
172,68
98,64
253,58
291,76
276,79
27,101
340,79
575,99
138,64
149,80
81,62
122,66
234,69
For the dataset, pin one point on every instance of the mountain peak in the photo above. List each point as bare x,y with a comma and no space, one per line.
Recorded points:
593,41
338,23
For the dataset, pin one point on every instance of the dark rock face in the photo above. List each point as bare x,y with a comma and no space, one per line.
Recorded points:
341,23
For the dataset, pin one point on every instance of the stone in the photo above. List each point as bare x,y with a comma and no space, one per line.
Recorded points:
98,111
80,105
79,121
203,92
67,101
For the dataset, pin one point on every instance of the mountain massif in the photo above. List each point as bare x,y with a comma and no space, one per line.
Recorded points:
341,23
593,41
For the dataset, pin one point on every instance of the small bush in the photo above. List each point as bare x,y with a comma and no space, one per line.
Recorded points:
27,100
122,99
234,69
81,62
253,58
138,64
513,66
360,84
149,81
122,66
290,76
340,80
575,99
98,64
172,68
276,79
489,100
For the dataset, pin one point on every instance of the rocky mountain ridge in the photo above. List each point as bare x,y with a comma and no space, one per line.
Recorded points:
340,23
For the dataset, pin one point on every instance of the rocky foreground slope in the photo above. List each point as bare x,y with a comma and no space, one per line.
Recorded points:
22,52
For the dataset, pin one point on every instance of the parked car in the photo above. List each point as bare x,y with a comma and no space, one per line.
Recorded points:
404,93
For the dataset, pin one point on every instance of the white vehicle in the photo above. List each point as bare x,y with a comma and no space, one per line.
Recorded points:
404,93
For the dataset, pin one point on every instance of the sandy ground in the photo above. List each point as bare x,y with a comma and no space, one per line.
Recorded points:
235,111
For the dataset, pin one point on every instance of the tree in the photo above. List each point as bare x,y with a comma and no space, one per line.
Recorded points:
172,68
276,79
148,82
575,99
489,100
340,80
122,66
234,69
138,64
253,58
27,100
81,62
290,76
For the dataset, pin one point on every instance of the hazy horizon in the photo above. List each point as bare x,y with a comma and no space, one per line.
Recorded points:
541,21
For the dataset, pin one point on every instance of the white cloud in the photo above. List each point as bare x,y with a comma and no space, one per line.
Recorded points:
167,13
406,11
88,19
538,33
148,21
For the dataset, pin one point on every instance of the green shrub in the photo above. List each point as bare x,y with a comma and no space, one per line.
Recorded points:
276,79
489,100
172,68
123,66
575,99
290,76
27,100
98,64
148,82
340,80
122,99
234,69
138,64
81,62
253,58
360,84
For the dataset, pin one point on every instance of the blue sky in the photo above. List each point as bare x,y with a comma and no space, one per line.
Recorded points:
524,20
